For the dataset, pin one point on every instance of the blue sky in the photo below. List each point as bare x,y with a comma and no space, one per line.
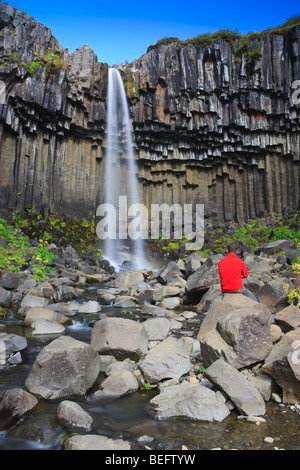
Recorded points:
120,31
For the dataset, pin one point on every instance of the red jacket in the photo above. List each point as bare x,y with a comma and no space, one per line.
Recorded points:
232,270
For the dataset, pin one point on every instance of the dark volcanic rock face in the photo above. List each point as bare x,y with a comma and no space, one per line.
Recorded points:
220,131
209,126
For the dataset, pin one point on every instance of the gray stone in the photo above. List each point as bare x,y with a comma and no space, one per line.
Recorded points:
206,276
288,318
74,417
10,344
127,279
125,301
208,298
165,291
120,337
248,332
119,383
157,328
65,368
283,364
156,311
213,347
44,289
95,442
187,400
91,306
169,359
166,271
170,303
17,402
220,306
30,301
274,293
11,281
35,314
62,309
246,398
274,247
5,298
46,327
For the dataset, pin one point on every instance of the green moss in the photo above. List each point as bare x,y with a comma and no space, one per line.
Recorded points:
52,61
248,44
81,234
18,254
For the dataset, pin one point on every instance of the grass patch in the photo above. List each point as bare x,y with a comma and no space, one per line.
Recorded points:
248,45
18,254
26,241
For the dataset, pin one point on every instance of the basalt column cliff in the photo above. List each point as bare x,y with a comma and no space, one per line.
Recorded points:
216,124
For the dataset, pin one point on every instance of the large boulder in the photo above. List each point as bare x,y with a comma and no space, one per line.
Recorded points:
240,335
10,347
44,289
30,301
127,279
283,364
64,368
206,276
164,292
274,293
170,359
169,270
11,281
157,328
120,382
5,298
46,327
120,337
95,442
14,403
187,400
248,332
288,318
241,392
71,415
221,305
35,314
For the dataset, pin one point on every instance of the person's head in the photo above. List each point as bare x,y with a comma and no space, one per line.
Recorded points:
232,248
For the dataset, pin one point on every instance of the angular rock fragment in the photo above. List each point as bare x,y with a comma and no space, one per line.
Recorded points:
245,396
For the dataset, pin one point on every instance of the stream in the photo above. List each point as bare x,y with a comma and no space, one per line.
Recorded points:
126,417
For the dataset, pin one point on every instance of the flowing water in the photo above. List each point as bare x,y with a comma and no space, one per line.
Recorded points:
127,417
121,185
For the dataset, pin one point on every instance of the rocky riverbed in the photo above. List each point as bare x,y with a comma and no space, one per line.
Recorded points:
150,359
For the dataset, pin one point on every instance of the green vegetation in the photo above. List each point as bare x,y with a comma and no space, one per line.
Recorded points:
18,254
294,294
52,61
147,385
252,234
250,48
255,233
248,44
28,239
81,234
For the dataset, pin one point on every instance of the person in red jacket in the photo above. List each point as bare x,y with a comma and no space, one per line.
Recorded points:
232,271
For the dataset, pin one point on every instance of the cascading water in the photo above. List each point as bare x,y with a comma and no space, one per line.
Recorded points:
120,173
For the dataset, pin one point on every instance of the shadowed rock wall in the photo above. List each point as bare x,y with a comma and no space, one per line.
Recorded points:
211,129
208,128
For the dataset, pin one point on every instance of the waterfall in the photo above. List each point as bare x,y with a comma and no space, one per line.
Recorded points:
120,173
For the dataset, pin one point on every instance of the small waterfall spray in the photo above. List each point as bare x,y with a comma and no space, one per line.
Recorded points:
118,181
